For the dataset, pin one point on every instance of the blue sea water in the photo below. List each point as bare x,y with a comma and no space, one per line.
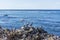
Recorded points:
50,20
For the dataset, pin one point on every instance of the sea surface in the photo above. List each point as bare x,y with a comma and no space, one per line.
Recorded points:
49,20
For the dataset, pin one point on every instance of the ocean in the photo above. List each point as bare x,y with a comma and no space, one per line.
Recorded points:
49,20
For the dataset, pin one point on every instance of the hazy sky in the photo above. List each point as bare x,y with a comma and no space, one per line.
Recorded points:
29,4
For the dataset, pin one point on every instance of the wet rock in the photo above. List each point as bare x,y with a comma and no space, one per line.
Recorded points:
40,30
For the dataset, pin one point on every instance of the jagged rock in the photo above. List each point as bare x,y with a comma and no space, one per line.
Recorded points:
26,33
40,30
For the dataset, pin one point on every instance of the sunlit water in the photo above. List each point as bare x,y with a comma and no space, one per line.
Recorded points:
50,20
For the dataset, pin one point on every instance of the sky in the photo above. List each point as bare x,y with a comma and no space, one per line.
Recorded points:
29,4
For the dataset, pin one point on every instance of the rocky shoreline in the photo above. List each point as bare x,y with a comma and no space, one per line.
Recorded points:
27,32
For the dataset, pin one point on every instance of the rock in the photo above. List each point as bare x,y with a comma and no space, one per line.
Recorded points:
1,39
40,30
50,38
26,33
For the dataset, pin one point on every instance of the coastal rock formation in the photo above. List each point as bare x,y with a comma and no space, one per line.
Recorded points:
26,33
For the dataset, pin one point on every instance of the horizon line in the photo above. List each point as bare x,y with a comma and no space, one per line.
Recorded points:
29,9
